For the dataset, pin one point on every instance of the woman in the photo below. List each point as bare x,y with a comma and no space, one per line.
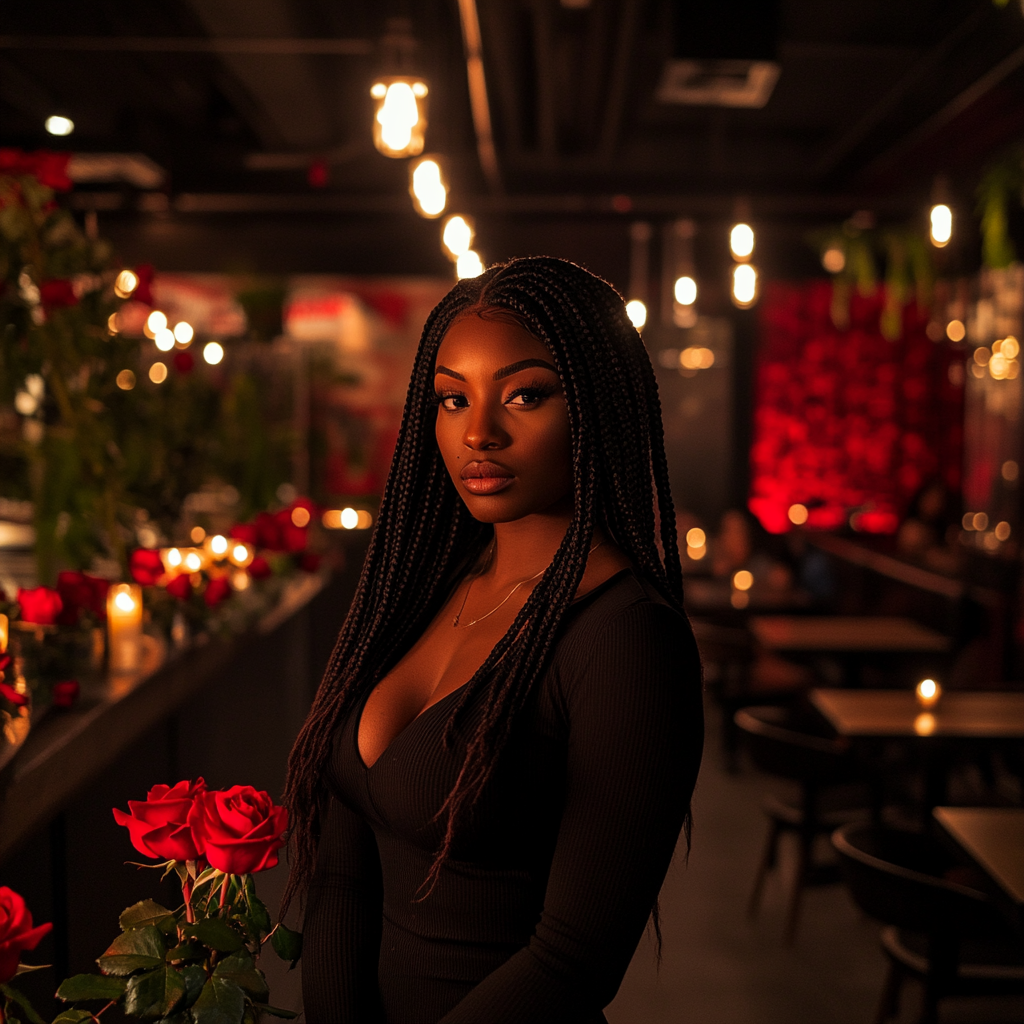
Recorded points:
490,785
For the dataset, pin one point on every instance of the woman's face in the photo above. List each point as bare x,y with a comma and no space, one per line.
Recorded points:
502,426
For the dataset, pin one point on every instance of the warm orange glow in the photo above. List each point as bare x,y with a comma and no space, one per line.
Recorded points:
928,693
798,514
743,580
300,516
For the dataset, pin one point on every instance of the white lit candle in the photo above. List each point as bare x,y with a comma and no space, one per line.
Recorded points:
124,626
928,693
240,553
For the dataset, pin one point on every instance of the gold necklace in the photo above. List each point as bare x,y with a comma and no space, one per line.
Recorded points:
521,583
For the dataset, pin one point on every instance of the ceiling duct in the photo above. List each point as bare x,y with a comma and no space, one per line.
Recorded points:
723,54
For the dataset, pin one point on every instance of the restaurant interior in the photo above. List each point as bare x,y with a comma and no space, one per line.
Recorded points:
222,227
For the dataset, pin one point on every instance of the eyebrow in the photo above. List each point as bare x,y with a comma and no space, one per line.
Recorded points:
523,364
505,371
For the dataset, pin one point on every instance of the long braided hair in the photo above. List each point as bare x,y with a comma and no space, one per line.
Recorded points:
425,539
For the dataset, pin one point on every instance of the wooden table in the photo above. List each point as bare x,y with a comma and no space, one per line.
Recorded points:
703,596
993,837
963,716
846,634
997,715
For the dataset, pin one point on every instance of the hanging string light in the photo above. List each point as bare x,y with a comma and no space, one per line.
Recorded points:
744,285
639,272
427,187
399,121
457,235
941,218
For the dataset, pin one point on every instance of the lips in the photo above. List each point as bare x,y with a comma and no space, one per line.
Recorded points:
485,477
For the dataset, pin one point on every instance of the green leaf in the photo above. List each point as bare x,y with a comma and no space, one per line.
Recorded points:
240,969
186,951
136,949
221,1002
195,979
287,944
154,994
22,1000
146,912
72,1016
257,911
275,1011
90,986
216,934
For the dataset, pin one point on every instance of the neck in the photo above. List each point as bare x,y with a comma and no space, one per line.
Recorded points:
527,545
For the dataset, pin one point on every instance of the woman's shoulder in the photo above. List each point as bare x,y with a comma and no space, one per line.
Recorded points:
624,625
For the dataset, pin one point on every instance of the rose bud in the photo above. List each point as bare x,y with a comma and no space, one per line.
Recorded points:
146,566
216,591
16,932
40,606
65,693
240,829
180,587
159,826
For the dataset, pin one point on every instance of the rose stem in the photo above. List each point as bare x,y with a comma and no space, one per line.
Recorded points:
224,889
186,892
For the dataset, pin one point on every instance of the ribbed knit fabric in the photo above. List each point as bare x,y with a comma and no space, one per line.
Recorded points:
535,917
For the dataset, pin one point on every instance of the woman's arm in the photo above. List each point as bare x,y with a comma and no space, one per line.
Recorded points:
342,925
635,738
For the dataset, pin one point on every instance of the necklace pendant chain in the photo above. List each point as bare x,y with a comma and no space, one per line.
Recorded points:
521,583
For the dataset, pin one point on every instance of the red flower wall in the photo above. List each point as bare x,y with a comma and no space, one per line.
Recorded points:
845,422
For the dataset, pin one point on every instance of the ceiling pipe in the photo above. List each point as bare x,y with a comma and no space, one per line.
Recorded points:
478,94
177,44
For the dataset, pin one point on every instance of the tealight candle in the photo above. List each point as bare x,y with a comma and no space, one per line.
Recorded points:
124,626
192,560
172,559
240,553
928,693
3,634
217,545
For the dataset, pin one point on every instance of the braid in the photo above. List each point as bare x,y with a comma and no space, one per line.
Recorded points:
425,539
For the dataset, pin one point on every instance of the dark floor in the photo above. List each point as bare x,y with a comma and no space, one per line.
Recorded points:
720,968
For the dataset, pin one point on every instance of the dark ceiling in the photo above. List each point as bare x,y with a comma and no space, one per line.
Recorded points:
236,99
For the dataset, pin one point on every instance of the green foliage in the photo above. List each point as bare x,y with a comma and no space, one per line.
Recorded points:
205,971
12,995
1000,184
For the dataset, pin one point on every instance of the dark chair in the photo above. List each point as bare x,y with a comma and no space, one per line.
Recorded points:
737,674
795,745
948,934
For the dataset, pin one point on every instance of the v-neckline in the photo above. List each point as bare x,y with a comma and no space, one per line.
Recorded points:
602,586
394,739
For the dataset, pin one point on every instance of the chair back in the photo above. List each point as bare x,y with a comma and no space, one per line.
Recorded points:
895,877
782,744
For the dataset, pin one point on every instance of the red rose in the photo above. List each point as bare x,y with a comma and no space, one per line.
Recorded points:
50,169
8,692
144,289
309,562
216,591
246,532
259,568
16,932
57,292
41,605
180,587
81,592
159,825
146,566
268,532
183,362
65,693
240,829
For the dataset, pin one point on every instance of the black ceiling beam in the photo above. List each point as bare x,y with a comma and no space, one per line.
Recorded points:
182,44
764,207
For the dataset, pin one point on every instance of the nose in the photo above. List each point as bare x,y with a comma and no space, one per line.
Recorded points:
483,431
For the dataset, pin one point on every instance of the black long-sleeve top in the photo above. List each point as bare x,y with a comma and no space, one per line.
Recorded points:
537,913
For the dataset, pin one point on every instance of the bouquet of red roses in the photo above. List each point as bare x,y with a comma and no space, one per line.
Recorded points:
196,963
17,934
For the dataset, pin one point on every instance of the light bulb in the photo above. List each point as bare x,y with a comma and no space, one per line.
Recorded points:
741,241
744,285
164,339
686,290
428,189
637,313
158,372
469,264
183,333
696,537
942,225
457,235
57,125
213,352
399,122
125,283
349,518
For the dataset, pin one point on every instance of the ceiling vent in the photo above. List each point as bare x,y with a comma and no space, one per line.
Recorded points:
718,83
